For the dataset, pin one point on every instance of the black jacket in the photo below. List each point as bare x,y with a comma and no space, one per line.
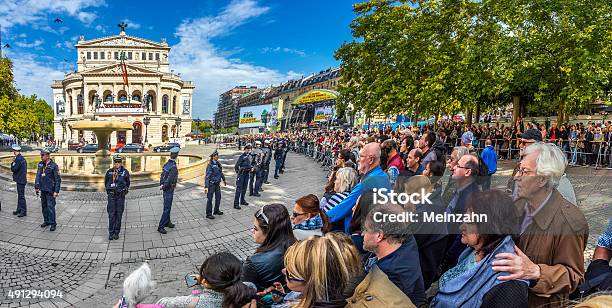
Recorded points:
264,268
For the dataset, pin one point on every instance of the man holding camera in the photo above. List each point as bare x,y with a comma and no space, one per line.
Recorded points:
117,184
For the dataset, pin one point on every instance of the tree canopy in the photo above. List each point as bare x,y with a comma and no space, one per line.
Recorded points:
440,56
21,115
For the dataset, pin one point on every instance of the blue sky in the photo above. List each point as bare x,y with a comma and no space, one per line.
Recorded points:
218,44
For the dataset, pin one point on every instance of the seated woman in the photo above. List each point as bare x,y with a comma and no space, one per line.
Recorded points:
308,218
272,231
472,282
344,180
219,279
318,271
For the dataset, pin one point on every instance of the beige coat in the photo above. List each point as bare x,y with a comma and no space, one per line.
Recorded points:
377,291
555,241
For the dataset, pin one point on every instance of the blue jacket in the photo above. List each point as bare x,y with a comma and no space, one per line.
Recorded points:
48,177
469,288
19,168
169,175
404,270
376,178
121,181
214,174
244,163
490,158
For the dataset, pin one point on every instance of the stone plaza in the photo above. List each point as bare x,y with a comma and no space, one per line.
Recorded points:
78,260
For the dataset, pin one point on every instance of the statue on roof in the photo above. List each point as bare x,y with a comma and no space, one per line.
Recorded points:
122,25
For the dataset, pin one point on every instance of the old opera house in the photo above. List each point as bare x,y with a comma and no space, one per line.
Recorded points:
155,100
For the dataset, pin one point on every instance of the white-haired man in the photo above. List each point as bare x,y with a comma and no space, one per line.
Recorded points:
550,250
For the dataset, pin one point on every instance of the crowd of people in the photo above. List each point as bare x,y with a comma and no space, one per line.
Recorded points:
332,249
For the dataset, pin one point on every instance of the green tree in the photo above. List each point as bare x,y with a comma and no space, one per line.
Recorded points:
7,83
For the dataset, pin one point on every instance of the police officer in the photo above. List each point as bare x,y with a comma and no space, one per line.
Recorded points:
278,158
19,168
167,183
260,169
243,167
256,157
212,185
268,150
47,185
117,184
285,146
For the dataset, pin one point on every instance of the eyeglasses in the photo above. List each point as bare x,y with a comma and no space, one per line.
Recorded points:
525,142
462,167
290,277
296,214
523,171
261,214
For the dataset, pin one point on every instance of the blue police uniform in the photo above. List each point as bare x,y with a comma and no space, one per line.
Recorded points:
117,184
48,181
278,160
242,167
268,151
285,150
253,173
168,179
212,181
19,168
260,171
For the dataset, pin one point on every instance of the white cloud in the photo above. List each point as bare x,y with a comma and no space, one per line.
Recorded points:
298,52
33,76
131,24
210,67
101,28
35,44
36,13
86,17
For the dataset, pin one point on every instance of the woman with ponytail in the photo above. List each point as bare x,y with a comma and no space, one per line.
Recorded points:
308,218
219,278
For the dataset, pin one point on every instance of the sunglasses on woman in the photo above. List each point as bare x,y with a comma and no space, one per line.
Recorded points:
261,214
290,277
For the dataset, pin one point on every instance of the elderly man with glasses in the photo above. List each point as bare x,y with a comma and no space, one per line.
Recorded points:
550,249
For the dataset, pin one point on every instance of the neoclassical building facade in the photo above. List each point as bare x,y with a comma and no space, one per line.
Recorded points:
128,79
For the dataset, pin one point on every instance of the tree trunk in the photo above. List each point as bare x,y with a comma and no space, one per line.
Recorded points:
477,117
468,116
561,117
516,109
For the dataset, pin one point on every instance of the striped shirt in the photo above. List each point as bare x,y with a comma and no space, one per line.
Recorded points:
328,204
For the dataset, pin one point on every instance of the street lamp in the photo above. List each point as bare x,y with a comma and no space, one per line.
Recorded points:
178,125
146,122
63,122
42,127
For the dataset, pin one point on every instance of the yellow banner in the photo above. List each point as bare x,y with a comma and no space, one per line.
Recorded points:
315,96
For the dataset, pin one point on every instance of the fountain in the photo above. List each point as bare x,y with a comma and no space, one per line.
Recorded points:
85,172
103,130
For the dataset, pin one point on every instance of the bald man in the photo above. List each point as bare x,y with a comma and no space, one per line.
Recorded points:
372,176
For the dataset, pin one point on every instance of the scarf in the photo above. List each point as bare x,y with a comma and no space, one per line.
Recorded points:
313,223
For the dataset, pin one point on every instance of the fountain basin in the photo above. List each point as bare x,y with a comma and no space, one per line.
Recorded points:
83,172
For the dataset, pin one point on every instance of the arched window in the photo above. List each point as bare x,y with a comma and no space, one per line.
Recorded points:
122,96
108,98
80,105
174,105
165,103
